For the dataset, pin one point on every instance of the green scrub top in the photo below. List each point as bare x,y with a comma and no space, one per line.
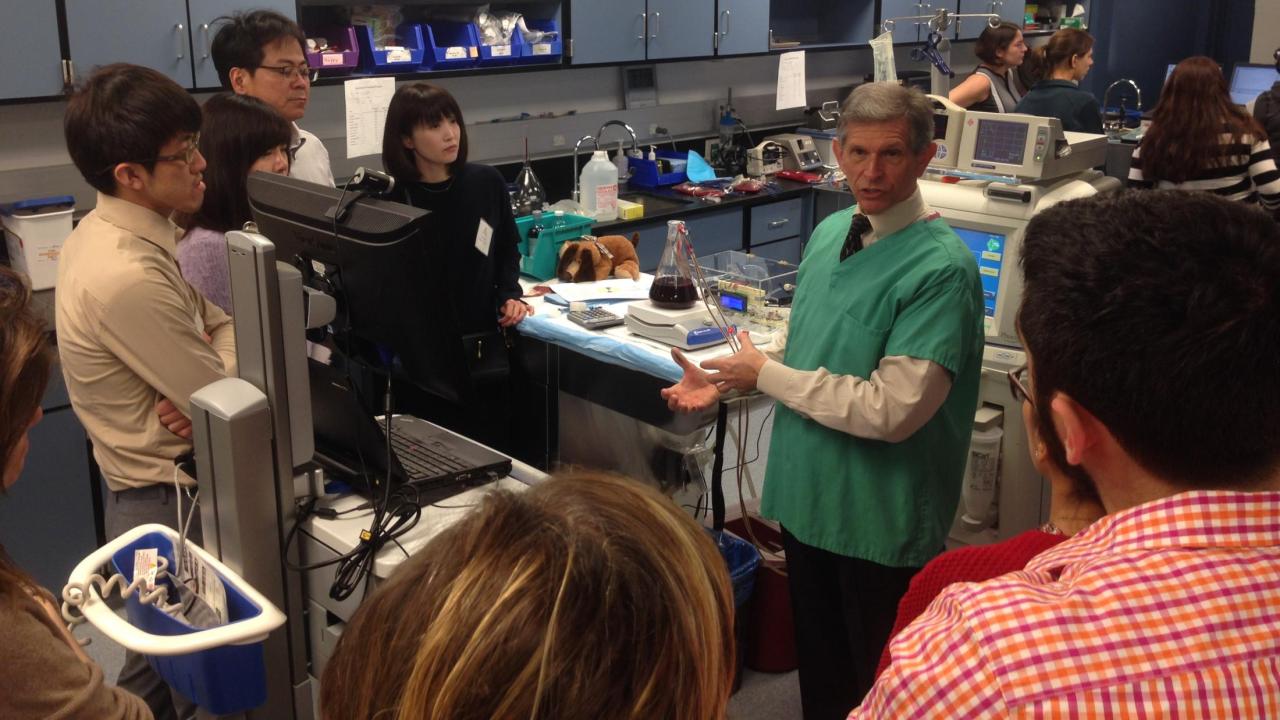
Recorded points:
915,293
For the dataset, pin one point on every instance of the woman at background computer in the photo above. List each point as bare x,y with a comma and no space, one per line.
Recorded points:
994,85
238,135
589,596
1066,60
46,673
1199,139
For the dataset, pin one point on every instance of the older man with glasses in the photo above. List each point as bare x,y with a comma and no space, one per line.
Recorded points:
261,54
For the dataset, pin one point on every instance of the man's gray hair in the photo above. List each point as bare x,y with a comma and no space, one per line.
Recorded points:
885,102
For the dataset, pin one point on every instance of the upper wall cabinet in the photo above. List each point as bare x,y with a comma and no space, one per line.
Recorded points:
29,50
159,34
742,26
906,30
820,23
629,30
970,28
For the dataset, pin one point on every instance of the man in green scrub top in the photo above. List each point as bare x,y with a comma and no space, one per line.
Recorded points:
877,383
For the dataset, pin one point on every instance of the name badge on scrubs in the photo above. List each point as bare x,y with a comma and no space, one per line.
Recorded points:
484,236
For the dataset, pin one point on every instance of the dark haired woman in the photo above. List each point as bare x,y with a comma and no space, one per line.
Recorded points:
424,147
993,86
1066,59
46,673
1200,140
238,135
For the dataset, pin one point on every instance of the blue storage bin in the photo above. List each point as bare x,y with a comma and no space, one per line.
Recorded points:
545,50
223,680
644,173
494,55
450,45
381,61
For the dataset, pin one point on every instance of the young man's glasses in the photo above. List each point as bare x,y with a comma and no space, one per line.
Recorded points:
186,154
289,72
1019,379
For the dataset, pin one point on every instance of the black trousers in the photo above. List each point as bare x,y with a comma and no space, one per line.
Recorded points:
843,609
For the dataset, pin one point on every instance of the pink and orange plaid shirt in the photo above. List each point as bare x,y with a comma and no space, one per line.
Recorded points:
1170,609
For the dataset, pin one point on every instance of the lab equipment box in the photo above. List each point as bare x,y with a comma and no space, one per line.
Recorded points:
752,290
34,231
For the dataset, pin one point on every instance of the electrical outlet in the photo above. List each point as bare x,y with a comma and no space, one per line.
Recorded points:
653,129
557,141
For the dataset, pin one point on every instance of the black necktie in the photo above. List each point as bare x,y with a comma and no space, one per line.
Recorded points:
853,243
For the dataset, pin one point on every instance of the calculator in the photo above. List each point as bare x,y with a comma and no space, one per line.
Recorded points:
595,318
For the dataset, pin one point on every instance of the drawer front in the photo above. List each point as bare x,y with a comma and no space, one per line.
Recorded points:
776,221
788,250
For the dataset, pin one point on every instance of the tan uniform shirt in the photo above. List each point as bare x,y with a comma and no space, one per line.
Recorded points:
899,397
130,331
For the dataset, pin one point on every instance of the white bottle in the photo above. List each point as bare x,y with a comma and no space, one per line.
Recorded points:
599,187
980,478
620,162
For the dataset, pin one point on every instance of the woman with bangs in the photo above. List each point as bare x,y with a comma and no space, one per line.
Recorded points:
239,134
1200,140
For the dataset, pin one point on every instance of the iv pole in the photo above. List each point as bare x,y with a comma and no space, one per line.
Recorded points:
938,53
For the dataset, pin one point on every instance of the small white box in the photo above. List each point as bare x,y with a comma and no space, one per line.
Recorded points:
35,241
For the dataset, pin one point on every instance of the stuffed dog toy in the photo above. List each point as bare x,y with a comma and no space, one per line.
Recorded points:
595,258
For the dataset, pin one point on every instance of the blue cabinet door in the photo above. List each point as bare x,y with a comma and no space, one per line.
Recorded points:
742,26
205,16
607,32
904,31
1013,11
152,33
29,50
681,28
709,232
970,28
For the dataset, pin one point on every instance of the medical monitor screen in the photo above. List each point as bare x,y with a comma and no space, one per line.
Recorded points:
1000,141
988,249
1249,81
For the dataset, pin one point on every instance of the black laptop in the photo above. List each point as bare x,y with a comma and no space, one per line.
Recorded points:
351,441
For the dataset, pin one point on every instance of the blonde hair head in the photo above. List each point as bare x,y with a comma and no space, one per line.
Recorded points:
588,596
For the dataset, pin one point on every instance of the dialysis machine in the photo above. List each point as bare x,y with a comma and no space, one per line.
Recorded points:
996,172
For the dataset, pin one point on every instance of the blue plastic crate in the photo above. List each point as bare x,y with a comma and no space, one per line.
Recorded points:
644,172
450,45
222,680
546,51
382,61
541,264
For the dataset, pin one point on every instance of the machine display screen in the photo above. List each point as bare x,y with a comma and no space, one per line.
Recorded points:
988,249
1249,81
1000,141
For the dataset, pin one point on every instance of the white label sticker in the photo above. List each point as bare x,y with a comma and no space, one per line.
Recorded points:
484,236
145,566
334,58
500,50
455,53
607,201
397,54
542,48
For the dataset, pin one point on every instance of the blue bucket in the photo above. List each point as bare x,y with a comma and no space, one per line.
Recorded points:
743,559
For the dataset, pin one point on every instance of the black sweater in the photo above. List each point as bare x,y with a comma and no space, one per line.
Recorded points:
479,284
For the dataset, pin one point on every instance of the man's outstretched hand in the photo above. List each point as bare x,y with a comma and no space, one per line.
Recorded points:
694,392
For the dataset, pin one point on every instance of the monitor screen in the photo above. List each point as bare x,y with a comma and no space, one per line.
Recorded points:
1000,141
988,249
1249,81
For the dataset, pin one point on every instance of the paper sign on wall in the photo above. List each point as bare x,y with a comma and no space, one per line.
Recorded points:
791,80
367,103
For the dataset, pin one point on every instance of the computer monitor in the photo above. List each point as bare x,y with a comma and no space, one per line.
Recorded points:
996,244
1249,80
383,268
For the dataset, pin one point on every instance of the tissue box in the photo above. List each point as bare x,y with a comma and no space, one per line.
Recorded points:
34,231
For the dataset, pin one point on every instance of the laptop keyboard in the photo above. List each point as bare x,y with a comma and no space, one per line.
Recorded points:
420,461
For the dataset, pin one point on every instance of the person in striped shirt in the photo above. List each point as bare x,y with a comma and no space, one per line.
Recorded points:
1151,322
1200,140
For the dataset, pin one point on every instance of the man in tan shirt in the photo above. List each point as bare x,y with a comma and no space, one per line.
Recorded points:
132,334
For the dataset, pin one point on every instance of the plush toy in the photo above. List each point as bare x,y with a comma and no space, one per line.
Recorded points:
595,258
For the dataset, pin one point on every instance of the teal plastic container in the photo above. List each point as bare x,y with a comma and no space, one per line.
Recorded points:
541,263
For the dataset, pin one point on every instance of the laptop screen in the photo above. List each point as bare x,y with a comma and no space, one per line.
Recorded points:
1248,81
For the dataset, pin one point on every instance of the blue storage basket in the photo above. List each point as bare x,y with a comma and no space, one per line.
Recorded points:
644,172
450,45
222,680
546,51
377,61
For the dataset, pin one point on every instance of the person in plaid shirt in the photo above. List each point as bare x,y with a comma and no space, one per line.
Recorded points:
1152,326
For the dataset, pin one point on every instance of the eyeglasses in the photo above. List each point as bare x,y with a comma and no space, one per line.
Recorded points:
1019,379
289,72
186,155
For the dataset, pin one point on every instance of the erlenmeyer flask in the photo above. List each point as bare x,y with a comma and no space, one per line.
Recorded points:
673,283
529,193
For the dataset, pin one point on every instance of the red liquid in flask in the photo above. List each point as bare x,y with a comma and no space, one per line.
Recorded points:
676,293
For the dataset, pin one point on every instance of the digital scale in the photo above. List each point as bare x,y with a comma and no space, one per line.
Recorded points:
689,329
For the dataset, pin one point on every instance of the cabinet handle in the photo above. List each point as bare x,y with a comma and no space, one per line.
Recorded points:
775,224
177,32
644,26
727,15
657,25
204,32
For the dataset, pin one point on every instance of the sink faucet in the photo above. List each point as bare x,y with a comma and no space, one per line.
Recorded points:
635,143
1116,123
584,138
